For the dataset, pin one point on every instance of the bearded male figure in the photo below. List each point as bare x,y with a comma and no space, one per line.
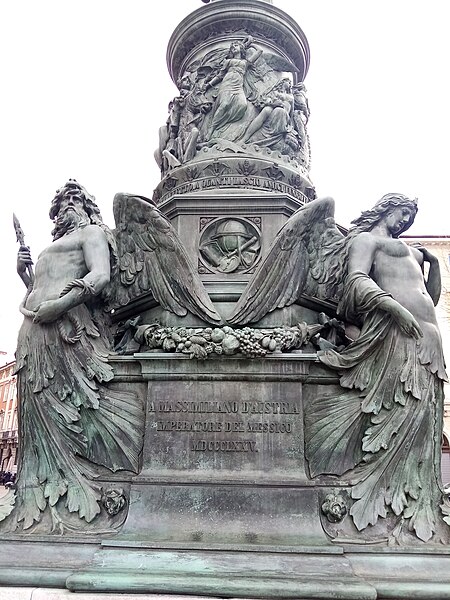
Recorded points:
71,425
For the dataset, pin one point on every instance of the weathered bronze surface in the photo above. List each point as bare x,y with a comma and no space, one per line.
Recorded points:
228,394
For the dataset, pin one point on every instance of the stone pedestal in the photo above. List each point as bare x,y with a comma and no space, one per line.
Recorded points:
224,447
199,219
223,505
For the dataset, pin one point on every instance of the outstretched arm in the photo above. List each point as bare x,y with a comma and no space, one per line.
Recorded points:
254,57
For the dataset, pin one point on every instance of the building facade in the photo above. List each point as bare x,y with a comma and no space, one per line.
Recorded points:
8,420
440,247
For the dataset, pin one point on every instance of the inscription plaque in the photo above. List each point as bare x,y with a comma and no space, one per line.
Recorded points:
168,415
223,446
228,426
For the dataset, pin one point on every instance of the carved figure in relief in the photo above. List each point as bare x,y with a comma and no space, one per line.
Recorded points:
178,139
382,432
71,424
301,118
222,94
165,153
273,127
231,101
195,107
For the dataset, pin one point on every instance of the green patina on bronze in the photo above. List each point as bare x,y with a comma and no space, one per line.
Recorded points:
228,394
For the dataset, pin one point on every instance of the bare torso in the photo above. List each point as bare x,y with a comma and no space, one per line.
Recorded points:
80,254
396,269
62,262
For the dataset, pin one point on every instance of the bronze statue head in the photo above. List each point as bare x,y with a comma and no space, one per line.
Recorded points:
74,189
389,202
73,199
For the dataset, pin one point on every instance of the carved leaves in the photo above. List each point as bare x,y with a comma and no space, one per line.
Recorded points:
247,168
7,502
382,433
402,475
217,169
70,424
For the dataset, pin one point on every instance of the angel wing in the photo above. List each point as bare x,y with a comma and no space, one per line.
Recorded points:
279,63
210,63
305,258
152,258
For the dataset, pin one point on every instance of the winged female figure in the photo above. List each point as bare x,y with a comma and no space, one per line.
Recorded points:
382,432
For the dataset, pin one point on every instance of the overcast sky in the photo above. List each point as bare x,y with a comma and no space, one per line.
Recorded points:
85,89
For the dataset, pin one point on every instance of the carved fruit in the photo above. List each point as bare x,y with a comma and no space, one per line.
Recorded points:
265,341
198,339
230,344
272,345
217,336
169,345
196,351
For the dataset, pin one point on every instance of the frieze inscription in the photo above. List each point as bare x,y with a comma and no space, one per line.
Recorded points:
237,181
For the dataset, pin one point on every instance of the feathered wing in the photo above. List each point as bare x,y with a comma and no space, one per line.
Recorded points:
304,259
152,258
211,62
278,63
